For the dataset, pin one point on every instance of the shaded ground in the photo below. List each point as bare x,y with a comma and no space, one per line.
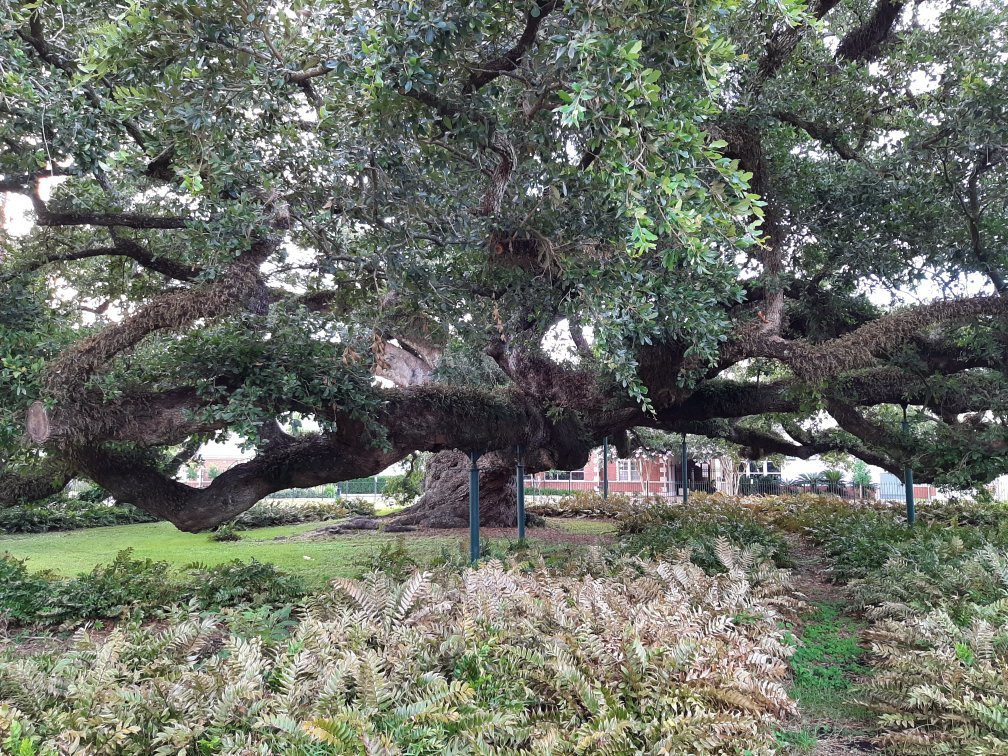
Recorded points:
558,530
828,665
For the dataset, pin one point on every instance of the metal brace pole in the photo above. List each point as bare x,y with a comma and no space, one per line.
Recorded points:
908,484
685,475
605,467
474,521
520,486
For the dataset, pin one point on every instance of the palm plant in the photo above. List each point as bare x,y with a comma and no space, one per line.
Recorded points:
812,480
834,480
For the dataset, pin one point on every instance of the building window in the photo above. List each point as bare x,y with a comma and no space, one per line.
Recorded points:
565,475
763,467
627,469
557,475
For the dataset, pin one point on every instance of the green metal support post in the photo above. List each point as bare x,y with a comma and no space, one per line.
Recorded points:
908,484
685,474
474,521
605,467
520,485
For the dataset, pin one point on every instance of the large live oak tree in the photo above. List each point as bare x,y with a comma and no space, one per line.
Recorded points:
380,216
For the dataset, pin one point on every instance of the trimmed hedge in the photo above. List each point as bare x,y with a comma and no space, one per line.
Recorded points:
69,514
79,513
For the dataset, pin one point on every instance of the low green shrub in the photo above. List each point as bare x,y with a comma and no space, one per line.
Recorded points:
13,741
108,591
319,492
346,488
240,584
225,533
136,587
359,507
658,527
270,513
69,513
547,491
797,741
395,558
391,557
860,541
270,623
21,593
857,543
355,487
403,490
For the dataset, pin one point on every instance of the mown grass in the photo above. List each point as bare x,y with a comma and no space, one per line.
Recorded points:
578,525
317,561
73,552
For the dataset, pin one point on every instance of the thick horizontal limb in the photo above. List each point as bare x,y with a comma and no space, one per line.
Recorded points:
121,248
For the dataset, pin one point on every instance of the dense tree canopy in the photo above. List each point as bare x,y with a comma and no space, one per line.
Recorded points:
379,216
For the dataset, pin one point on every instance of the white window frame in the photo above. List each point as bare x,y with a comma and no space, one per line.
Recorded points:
761,467
628,470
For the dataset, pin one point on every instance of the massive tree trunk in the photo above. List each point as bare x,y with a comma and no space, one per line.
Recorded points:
445,501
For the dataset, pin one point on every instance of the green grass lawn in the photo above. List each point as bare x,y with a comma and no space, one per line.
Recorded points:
75,551
71,552
579,525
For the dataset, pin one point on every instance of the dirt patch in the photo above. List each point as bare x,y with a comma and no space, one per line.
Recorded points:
20,646
811,575
550,534
840,745
21,642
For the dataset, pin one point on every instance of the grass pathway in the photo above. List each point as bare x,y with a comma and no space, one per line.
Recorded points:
827,665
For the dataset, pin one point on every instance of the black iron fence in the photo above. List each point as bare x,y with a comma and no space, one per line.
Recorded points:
746,485
889,489
373,486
